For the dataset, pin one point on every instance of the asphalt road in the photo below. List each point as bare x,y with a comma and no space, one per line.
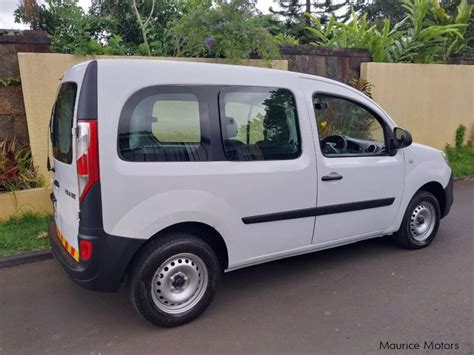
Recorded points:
341,301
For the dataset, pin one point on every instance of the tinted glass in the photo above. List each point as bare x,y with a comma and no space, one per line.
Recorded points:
259,124
63,116
347,128
163,126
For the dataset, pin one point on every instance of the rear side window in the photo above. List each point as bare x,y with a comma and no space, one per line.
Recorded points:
164,124
259,124
61,128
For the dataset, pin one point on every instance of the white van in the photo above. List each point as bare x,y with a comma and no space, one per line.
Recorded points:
168,173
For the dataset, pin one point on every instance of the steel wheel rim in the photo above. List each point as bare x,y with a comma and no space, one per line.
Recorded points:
422,221
179,283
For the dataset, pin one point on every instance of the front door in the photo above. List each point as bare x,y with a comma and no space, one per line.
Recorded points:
359,183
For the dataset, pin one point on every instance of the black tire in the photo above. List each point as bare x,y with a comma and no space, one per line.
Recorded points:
405,237
141,281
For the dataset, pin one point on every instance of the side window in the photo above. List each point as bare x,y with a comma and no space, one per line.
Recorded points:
162,125
259,123
63,116
347,128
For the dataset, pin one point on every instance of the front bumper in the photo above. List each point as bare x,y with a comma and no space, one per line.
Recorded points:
106,268
449,197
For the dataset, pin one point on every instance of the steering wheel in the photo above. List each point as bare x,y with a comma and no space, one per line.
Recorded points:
335,144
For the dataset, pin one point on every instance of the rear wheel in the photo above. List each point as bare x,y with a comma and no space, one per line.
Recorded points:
174,280
420,223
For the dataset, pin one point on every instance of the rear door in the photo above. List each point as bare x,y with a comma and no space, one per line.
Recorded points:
65,174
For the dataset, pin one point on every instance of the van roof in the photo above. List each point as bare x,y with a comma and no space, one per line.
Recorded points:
146,72
210,69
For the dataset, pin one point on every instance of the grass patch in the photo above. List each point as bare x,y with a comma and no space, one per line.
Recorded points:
461,160
25,233
461,156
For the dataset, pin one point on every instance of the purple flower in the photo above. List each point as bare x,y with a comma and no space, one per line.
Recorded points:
209,42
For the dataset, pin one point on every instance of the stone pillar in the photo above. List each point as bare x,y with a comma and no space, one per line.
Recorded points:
12,42
12,111
341,64
462,58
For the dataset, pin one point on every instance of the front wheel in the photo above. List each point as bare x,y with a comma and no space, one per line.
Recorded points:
174,280
420,223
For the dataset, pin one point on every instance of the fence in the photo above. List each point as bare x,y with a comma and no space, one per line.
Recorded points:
430,100
341,64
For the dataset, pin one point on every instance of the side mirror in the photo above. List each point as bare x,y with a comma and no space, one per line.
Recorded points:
402,138
320,104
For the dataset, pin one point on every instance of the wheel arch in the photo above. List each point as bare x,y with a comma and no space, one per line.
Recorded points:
203,231
437,190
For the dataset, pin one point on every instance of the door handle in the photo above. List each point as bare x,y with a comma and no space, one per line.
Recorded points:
332,176
56,182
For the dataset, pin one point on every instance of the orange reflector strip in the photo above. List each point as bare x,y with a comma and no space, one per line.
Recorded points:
69,248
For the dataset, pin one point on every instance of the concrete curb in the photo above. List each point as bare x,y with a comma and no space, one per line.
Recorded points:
24,258
461,178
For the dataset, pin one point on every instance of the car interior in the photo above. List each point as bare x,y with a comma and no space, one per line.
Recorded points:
345,128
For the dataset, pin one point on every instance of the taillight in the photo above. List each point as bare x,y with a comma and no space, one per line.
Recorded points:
87,156
85,249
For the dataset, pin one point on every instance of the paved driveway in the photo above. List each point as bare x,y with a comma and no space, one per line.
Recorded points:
341,301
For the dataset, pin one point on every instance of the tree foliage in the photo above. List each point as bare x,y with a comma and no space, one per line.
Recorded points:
71,29
392,30
225,29
292,14
379,10
125,23
222,29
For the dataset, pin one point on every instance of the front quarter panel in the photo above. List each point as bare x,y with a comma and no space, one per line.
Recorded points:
423,164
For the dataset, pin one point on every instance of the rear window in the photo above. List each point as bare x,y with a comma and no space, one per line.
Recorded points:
164,124
61,128
259,123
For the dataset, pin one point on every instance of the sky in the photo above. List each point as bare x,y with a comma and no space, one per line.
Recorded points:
7,7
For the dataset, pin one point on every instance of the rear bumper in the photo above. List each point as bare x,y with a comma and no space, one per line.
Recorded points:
106,268
448,193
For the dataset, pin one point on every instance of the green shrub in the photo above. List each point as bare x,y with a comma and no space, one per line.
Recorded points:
461,156
460,133
11,81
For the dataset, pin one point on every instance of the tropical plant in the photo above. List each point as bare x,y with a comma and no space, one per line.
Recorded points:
427,34
284,39
425,41
462,14
363,86
17,171
356,34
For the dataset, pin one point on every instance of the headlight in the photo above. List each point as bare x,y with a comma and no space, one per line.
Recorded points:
445,157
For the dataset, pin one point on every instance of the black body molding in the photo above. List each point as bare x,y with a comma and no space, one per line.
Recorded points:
319,211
